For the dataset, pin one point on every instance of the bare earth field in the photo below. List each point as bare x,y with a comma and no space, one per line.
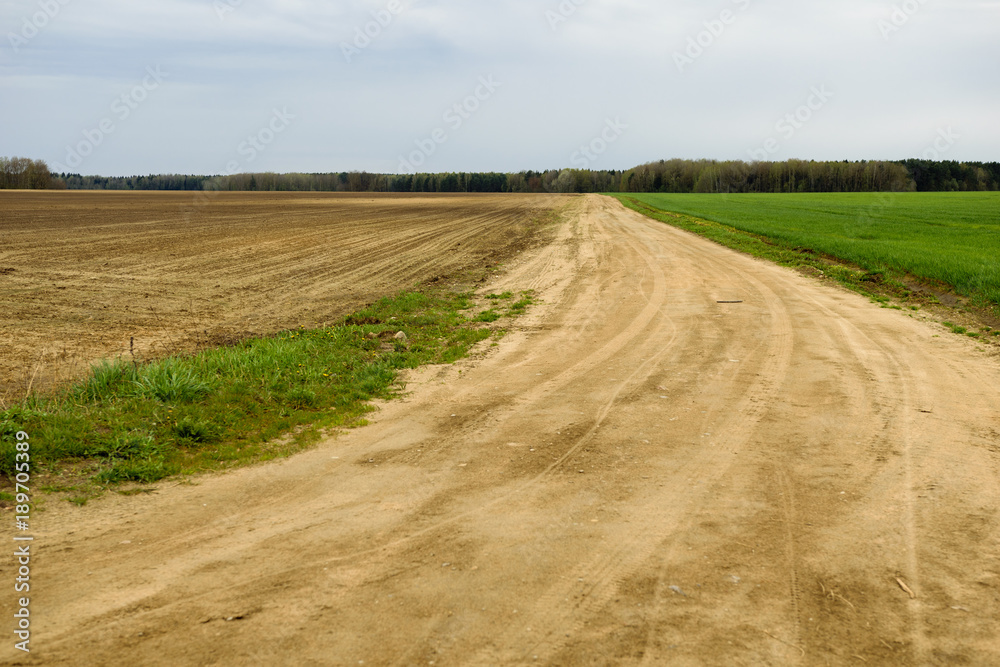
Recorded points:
82,273
638,475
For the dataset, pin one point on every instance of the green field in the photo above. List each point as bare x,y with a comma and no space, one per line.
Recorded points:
947,238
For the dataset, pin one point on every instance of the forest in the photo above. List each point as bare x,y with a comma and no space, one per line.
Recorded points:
665,176
19,173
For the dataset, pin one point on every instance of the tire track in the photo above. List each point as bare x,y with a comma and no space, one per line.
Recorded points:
603,574
791,556
900,378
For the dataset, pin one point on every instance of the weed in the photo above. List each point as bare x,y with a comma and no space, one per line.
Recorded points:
126,447
488,316
133,471
518,307
171,381
302,398
195,430
106,379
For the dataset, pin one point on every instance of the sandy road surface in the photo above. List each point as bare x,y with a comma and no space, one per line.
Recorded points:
640,475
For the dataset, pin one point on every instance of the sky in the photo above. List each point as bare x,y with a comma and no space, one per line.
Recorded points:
122,88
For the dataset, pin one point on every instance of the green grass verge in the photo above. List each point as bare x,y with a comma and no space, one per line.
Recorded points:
257,400
949,240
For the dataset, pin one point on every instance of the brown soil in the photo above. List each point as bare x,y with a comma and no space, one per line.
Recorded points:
83,273
638,475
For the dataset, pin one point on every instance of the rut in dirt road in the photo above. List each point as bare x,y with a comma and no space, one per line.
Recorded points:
639,474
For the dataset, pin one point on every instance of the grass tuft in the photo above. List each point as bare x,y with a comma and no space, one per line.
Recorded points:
488,316
171,381
106,379
196,431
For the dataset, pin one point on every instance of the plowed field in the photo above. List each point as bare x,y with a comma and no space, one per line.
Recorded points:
82,274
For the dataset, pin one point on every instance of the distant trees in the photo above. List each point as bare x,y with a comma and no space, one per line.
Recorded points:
669,176
158,182
570,180
580,180
932,176
21,173
710,176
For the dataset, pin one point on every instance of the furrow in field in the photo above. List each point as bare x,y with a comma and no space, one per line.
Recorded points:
92,271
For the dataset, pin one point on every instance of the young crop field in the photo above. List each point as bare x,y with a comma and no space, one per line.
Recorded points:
947,238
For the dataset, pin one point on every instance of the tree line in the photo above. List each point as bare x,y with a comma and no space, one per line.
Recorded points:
668,176
931,176
711,176
523,182
21,173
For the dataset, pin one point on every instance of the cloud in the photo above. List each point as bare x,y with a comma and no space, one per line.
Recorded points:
231,62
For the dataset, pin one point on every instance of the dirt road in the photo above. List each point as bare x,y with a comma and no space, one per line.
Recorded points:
639,475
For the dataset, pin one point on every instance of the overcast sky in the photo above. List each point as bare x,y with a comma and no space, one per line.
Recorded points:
213,86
